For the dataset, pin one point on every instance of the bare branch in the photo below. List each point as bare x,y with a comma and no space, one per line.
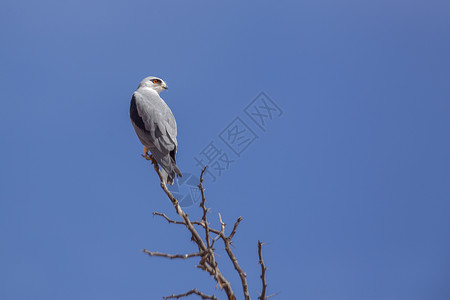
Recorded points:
215,231
221,281
227,242
193,291
172,256
222,226
207,262
210,258
241,272
263,273
233,232
170,221
205,210
196,237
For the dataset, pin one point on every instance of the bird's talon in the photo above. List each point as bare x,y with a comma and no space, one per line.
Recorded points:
147,157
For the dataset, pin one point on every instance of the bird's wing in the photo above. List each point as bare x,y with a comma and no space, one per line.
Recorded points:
152,115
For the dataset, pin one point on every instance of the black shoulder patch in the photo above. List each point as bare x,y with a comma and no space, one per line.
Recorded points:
172,154
134,115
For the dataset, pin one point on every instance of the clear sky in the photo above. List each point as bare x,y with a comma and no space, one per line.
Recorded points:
348,184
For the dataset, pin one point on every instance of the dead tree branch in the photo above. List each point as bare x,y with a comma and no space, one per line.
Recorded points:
233,259
205,246
172,256
205,210
170,221
233,232
195,236
207,262
263,272
193,291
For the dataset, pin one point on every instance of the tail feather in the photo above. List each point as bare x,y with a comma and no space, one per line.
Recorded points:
177,170
169,169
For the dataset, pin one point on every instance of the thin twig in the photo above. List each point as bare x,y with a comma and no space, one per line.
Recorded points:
172,256
167,218
205,210
222,225
193,291
263,272
233,232
210,258
227,242
241,272
182,223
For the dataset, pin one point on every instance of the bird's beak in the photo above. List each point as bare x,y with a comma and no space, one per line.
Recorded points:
165,86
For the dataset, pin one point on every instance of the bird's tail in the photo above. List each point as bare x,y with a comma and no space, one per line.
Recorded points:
169,170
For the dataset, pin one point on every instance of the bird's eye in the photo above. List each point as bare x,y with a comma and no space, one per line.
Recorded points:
155,81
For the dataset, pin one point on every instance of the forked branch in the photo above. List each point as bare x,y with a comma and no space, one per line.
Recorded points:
193,291
206,252
207,263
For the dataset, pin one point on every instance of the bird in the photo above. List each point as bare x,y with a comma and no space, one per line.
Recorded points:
155,126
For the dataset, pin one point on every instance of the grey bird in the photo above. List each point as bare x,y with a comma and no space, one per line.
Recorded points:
155,126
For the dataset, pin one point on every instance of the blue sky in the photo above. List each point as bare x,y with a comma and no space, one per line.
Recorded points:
349,188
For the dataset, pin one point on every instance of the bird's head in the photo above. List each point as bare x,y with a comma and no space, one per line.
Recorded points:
154,83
